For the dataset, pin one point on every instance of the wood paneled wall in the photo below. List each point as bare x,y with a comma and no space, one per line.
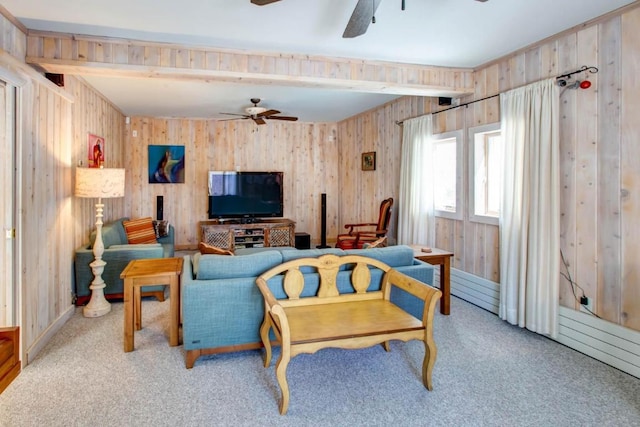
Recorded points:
92,113
47,209
305,152
52,223
599,167
13,35
599,137
362,191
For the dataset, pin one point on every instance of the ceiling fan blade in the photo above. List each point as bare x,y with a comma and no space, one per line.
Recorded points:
288,118
237,118
234,114
268,113
263,2
259,120
361,18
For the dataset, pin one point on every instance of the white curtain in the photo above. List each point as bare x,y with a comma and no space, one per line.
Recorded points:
530,211
415,202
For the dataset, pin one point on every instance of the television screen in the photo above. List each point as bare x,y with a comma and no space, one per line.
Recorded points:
245,194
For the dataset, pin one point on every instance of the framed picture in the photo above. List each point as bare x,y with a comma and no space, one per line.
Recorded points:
369,161
166,164
95,151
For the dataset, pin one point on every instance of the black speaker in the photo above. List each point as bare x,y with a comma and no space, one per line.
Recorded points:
303,241
323,222
444,101
58,79
159,208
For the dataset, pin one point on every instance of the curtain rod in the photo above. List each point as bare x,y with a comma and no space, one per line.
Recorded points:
401,122
560,79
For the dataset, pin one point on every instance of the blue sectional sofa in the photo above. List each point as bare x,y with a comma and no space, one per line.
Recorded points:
222,308
117,254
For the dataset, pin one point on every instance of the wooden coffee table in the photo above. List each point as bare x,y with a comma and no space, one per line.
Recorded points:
145,272
443,259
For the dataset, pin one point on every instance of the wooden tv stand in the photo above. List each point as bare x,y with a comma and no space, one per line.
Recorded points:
234,235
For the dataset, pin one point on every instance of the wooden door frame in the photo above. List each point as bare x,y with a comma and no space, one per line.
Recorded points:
14,84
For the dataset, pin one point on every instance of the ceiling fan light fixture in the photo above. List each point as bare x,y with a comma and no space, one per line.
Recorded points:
255,110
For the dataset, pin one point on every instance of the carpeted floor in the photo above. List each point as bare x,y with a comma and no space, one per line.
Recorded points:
487,374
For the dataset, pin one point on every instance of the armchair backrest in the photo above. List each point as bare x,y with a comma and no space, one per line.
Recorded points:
385,214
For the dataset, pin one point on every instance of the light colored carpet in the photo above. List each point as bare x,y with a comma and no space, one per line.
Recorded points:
487,374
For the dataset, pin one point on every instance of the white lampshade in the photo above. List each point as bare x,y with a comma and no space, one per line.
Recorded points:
99,182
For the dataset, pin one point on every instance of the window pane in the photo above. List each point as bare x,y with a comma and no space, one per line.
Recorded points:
444,161
494,173
487,173
480,177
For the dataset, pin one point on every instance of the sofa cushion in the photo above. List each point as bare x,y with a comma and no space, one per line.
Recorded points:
205,248
140,231
226,267
112,234
393,256
161,227
380,243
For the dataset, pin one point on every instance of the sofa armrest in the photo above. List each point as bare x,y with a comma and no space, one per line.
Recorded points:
117,258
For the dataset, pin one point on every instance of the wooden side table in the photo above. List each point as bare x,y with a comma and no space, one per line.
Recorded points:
443,259
145,272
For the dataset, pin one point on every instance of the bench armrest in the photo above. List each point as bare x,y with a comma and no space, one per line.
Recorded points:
428,294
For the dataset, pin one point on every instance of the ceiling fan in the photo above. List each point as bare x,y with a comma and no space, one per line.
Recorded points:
363,15
259,114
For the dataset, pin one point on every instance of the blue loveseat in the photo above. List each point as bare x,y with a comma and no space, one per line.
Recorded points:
222,308
117,254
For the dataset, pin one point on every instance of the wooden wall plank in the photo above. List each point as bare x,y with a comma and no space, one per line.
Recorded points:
609,244
567,47
584,116
630,173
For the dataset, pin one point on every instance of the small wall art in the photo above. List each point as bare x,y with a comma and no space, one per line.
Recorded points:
166,164
369,161
95,151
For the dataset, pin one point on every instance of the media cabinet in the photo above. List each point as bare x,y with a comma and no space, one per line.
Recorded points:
234,235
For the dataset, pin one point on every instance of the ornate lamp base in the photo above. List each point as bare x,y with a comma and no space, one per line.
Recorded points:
98,305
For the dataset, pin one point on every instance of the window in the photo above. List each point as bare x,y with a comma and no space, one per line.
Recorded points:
486,173
447,190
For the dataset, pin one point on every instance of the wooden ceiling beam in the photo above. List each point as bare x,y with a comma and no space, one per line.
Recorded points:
81,55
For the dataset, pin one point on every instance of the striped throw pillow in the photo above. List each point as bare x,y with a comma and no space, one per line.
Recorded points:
140,231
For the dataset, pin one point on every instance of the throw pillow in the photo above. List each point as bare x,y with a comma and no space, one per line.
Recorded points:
213,250
140,231
381,242
161,227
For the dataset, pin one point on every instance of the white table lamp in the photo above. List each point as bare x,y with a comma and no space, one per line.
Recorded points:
98,183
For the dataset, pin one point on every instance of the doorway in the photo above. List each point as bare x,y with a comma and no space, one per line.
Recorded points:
9,290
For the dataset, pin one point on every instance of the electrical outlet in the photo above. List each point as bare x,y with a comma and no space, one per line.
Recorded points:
586,305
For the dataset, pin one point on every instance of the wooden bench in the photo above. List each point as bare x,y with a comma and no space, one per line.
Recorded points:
308,324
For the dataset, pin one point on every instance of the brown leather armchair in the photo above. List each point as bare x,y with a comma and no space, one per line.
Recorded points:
359,234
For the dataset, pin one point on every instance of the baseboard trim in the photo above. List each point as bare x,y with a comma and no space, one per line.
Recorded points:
474,289
607,342
46,336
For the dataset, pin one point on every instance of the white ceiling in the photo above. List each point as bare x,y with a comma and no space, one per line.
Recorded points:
455,33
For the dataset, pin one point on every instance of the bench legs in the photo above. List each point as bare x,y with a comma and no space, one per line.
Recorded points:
281,374
264,336
430,353
281,365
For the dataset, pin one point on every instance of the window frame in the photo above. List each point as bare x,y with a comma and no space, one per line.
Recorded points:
473,131
459,137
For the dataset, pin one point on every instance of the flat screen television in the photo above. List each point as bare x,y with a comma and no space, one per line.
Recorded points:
245,194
